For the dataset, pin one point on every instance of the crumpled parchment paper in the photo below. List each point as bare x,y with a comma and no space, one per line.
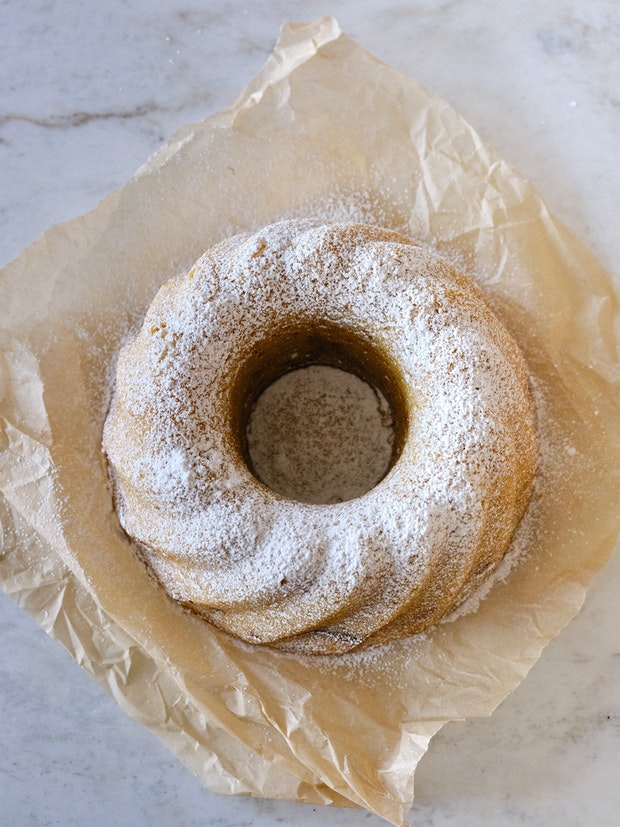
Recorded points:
328,131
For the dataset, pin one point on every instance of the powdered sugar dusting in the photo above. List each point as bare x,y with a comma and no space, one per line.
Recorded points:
321,435
343,205
330,576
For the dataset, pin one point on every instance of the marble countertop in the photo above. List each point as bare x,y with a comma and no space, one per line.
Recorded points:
89,91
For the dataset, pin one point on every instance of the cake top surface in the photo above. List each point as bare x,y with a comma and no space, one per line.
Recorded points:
185,491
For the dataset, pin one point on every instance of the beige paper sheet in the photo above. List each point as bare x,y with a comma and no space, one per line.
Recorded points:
324,130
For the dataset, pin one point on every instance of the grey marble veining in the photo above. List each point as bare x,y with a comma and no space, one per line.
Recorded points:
88,92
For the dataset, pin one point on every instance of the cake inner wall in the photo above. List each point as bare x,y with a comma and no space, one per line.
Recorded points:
320,417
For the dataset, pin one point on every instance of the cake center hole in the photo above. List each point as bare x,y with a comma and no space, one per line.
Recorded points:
320,434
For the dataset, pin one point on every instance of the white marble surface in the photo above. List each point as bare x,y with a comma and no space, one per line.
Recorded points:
89,90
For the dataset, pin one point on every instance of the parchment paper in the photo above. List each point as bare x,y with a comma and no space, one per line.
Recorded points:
324,130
